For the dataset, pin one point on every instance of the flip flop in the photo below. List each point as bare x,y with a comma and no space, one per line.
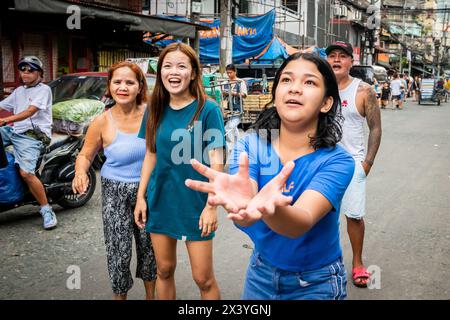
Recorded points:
361,274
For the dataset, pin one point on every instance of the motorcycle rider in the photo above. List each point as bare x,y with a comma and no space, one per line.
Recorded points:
31,105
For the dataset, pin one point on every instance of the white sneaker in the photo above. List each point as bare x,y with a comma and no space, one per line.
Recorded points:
49,218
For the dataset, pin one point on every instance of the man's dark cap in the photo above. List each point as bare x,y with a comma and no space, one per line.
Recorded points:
344,46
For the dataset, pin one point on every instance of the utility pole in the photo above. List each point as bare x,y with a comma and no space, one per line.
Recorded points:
302,24
374,31
444,44
196,8
446,27
410,63
226,40
370,40
299,23
403,37
437,44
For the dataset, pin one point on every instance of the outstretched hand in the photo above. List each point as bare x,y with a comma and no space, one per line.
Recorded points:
265,201
233,192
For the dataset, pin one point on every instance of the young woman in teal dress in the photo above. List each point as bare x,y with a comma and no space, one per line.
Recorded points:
180,124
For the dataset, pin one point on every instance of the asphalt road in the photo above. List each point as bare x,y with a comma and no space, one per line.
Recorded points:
407,229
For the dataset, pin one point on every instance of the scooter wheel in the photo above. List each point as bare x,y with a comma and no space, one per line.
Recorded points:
71,200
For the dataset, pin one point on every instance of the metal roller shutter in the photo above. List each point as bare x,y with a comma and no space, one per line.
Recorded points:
38,45
8,61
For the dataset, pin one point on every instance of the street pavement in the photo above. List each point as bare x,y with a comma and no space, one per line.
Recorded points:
407,241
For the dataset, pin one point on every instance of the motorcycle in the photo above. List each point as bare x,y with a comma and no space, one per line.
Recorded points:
56,170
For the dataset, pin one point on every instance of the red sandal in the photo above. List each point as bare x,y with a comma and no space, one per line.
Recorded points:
361,274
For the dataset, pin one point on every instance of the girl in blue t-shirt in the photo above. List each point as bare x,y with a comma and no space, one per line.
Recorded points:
180,124
286,188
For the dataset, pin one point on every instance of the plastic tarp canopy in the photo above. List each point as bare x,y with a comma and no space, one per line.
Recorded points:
275,50
253,35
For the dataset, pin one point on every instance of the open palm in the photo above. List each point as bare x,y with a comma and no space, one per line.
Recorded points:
233,192
267,199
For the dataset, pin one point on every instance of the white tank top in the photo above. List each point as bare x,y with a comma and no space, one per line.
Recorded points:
353,124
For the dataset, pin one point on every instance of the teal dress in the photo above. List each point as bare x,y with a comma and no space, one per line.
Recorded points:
173,208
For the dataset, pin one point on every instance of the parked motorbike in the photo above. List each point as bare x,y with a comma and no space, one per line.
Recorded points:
56,170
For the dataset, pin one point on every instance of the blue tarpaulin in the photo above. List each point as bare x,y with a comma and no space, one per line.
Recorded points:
253,34
210,43
275,50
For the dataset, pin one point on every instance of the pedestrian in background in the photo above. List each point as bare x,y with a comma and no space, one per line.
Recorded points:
404,87
396,92
359,104
235,90
414,88
291,213
418,83
385,95
408,84
179,115
115,131
377,89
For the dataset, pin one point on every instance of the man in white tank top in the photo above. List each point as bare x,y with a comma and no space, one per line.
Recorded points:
359,103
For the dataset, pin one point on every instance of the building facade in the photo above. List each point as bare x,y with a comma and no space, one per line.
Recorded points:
64,47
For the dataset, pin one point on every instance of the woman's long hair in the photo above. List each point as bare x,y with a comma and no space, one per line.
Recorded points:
329,131
140,77
160,97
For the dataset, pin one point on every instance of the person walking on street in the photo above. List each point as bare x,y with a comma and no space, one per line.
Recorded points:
408,84
377,88
115,131
396,92
31,105
404,88
286,194
414,88
385,95
179,123
418,82
358,104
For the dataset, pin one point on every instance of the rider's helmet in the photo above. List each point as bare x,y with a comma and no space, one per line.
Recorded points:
32,61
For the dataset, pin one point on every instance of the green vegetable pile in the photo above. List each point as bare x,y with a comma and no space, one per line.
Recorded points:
77,110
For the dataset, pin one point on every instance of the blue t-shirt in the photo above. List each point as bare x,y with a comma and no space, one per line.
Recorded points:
326,170
173,208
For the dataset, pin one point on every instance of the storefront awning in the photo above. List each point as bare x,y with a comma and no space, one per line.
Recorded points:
136,22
